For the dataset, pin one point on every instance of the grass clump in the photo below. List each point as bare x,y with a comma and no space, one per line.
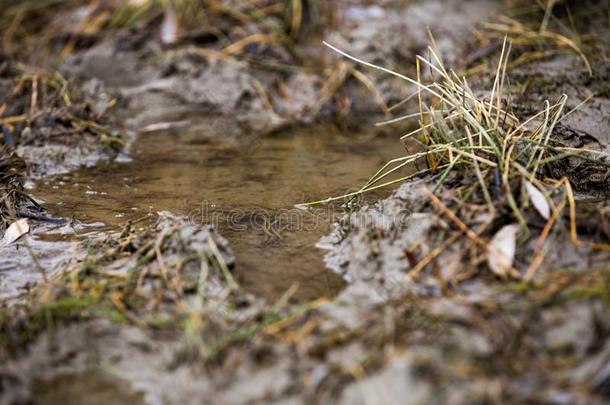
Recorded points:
493,162
12,197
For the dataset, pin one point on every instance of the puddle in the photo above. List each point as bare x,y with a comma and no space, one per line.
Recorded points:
84,388
248,191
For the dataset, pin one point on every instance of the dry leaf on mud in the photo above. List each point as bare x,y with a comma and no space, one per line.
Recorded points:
501,250
169,27
15,231
538,200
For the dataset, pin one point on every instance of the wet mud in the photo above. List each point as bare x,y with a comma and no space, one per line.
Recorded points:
158,84
184,273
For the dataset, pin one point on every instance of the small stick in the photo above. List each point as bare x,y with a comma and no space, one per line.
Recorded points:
463,227
39,267
451,215
573,231
538,256
414,272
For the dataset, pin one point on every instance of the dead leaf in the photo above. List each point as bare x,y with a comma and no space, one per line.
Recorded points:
501,250
169,27
538,200
15,231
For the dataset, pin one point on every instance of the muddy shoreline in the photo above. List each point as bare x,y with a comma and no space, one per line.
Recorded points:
151,311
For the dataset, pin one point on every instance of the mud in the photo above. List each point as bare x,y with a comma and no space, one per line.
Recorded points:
485,324
54,125
564,75
588,105
485,341
150,313
377,248
158,84
41,255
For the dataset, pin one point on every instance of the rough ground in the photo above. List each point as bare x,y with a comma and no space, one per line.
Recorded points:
151,314
543,343
130,81
53,125
163,86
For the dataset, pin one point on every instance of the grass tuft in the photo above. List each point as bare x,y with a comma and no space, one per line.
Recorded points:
473,141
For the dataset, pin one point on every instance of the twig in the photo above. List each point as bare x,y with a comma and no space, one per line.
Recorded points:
463,227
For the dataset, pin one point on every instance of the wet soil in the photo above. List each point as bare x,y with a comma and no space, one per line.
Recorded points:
252,86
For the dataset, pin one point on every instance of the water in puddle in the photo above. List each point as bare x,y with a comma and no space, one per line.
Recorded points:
247,190
85,388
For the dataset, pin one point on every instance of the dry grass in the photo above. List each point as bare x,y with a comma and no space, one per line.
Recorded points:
64,25
12,195
523,35
472,144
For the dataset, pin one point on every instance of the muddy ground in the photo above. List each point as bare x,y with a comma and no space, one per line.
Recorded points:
152,313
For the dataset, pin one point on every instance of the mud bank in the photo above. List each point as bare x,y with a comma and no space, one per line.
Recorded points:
176,331
49,126
54,125
517,331
161,86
